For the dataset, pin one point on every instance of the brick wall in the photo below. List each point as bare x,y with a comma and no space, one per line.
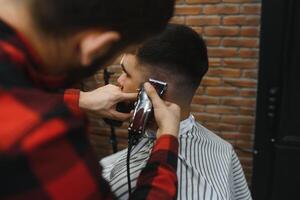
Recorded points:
225,103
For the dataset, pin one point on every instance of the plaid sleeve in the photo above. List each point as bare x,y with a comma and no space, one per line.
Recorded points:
158,179
71,98
44,151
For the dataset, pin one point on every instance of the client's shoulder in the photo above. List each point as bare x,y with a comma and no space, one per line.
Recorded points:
210,138
193,131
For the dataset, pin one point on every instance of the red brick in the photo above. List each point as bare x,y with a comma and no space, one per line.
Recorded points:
246,129
202,1
251,9
246,160
227,127
198,29
234,20
224,72
204,100
252,21
235,136
240,83
241,42
250,74
221,9
250,31
200,90
248,93
222,31
210,81
248,177
204,117
220,126
203,20
247,102
240,1
249,53
240,63
247,168
213,41
221,110
177,20
222,52
238,120
247,145
215,62
187,10
247,111
221,91
241,20
244,155
197,108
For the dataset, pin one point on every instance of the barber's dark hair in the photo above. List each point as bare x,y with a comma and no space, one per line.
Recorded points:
179,52
134,19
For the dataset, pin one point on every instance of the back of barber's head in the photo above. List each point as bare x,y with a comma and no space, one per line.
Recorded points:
177,56
135,20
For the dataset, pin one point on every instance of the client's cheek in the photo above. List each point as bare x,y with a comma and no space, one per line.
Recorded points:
126,89
130,86
131,90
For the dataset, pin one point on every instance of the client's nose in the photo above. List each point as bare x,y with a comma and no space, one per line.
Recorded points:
120,80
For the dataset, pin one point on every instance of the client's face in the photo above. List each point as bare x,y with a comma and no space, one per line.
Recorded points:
132,76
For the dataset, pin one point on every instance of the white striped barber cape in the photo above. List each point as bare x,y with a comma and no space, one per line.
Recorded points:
208,167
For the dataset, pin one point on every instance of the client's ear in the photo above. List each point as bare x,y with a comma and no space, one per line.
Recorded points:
94,44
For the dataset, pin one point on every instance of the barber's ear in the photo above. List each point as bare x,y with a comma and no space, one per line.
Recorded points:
96,44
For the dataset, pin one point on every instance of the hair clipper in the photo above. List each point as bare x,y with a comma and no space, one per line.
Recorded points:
143,111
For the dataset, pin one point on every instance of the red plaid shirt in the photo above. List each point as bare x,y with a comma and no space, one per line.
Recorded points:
44,150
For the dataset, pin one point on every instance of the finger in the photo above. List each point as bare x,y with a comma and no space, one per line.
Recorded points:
128,96
175,108
112,87
168,103
156,100
119,115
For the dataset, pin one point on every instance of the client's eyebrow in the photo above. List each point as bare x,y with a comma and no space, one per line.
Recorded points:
123,68
122,64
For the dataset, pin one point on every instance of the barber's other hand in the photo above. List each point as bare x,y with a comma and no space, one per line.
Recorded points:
103,101
167,115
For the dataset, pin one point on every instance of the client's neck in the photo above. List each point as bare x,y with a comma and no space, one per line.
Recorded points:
183,101
185,113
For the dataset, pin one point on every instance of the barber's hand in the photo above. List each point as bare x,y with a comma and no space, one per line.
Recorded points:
103,101
167,115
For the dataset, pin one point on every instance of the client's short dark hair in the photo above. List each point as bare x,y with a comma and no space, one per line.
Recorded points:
178,55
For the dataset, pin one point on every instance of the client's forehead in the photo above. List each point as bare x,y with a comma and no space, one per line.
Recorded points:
128,59
129,62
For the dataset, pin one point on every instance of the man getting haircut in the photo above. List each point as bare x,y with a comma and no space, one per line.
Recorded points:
208,167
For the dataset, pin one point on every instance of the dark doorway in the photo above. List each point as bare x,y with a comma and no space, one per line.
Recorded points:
276,170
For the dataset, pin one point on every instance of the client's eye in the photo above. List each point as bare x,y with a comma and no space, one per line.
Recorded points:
126,74
123,73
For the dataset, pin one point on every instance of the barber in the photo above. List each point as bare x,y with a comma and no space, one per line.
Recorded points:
44,47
